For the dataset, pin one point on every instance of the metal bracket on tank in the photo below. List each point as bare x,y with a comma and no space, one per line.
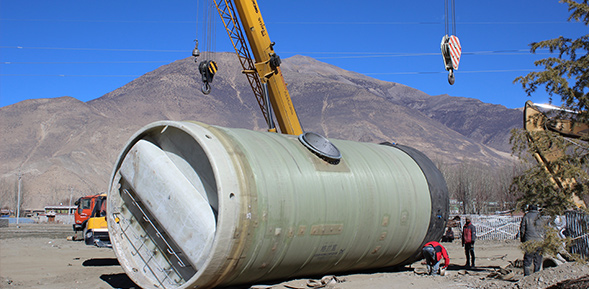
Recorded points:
321,147
177,259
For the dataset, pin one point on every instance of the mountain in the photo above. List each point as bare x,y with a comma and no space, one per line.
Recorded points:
63,146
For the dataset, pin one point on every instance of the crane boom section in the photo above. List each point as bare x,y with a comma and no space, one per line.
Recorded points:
261,47
536,122
228,16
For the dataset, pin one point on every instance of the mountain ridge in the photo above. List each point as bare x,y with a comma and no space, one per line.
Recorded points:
63,144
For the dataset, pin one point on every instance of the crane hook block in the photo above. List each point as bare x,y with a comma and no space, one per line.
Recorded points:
451,51
207,69
274,61
195,51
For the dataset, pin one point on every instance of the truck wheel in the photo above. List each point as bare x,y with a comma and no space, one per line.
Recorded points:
89,237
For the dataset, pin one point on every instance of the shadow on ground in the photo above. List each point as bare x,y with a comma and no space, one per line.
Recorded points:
120,280
100,262
454,267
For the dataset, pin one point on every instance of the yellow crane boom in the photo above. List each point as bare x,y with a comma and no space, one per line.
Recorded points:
263,70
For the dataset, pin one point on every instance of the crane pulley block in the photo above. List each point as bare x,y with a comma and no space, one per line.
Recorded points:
274,61
451,51
207,69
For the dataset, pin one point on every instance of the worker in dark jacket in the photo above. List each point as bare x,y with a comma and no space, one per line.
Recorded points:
469,235
532,230
433,252
448,236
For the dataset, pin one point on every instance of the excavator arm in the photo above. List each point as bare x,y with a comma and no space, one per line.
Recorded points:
535,122
243,17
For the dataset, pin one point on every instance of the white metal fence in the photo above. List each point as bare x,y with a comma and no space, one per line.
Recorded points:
577,227
494,227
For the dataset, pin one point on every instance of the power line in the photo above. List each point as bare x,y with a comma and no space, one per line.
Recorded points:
93,49
301,22
84,62
70,75
394,53
368,73
418,22
461,72
95,21
360,53
428,54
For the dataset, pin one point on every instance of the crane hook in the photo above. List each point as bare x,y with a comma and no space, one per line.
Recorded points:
451,78
206,88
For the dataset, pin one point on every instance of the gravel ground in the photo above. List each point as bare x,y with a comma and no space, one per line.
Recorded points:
40,256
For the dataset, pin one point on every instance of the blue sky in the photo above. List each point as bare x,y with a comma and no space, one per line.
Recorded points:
86,49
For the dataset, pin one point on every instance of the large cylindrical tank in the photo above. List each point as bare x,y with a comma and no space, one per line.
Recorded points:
198,206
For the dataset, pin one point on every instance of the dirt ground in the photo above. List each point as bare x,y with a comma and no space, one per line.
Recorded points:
39,256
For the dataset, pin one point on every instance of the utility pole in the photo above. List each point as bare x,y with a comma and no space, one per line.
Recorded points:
69,210
18,199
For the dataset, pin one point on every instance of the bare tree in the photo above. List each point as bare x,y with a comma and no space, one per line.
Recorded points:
480,189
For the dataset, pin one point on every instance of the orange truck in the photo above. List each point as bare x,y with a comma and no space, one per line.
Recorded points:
83,212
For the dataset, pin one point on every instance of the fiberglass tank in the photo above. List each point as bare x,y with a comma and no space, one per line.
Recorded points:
198,206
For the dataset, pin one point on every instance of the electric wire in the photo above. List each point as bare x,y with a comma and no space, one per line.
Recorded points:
92,49
440,72
85,62
75,75
384,54
364,73
305,22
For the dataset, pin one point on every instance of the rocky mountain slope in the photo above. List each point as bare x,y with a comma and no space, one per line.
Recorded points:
63,145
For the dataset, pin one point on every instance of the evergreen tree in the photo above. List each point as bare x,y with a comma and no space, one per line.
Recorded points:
566,76
572,64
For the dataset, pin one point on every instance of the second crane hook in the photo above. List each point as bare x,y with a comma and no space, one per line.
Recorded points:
207,69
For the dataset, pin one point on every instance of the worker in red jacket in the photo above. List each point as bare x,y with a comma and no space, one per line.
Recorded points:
433,253
469,235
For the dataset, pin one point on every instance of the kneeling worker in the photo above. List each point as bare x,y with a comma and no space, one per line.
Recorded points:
433,253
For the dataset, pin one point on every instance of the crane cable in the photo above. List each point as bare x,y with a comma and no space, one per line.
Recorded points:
450,46
447,18
207,67
195,51
210,10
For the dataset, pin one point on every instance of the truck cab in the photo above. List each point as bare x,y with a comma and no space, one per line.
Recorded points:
83,212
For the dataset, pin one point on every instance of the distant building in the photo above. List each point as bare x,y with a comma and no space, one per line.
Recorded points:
60,210
33,212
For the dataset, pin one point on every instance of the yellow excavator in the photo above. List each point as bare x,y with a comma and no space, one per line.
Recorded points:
535,122
96,230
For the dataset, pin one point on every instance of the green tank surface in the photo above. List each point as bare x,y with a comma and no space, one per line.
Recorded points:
198,206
